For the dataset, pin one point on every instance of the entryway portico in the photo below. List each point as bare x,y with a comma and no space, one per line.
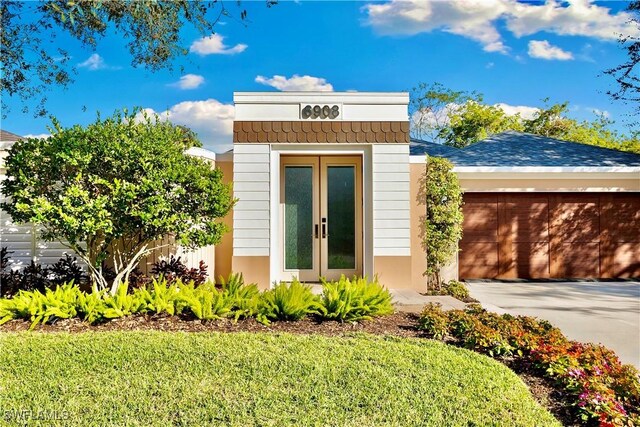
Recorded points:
323,187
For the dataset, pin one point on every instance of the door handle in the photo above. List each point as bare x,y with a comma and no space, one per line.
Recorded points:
316,231
324,230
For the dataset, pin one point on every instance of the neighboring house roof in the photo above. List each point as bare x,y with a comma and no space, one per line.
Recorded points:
519,149
8,136
418,147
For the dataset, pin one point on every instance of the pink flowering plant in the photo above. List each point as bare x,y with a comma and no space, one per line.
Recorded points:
600,389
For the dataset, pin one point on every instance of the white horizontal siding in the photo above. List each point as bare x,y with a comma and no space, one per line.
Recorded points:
391,200
251,186
391,185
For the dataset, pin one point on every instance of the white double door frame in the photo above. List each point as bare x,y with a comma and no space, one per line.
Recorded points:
314,244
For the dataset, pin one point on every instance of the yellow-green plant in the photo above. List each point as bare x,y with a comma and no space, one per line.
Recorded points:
160,297
244,298
40,308
205,302
288,301
352,300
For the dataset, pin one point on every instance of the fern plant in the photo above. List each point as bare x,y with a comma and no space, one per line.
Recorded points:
353,300
205,302
161,298
287,301
40,308
244,298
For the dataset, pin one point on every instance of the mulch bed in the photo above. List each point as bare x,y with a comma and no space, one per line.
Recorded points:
398,324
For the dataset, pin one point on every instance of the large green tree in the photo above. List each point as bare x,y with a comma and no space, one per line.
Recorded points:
110,190
33,57
465,119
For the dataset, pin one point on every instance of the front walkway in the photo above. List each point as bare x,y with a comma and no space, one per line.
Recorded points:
410,301
600,312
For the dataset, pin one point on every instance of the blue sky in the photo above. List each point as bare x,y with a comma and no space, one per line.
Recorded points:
515,53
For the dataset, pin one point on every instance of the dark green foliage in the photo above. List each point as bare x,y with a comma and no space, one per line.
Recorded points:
112,189
67,270
32,277
33,58
288,301
175,269
459,118
353,300
442,225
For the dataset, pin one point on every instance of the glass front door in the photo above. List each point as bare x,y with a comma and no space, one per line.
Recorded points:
321,202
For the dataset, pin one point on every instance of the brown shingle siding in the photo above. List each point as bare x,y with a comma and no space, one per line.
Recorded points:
317,131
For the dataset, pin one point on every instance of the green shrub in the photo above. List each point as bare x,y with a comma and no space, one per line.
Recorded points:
354,300
434,321
244,298
456,289
287,301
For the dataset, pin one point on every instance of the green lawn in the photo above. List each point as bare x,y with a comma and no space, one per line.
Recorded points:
243,379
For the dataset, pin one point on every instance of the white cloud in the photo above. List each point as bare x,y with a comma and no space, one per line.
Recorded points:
478,19
601,113
542,49
93,63
210,119
296,83
525,111
472,19
38,135
214,45
577,18
189,81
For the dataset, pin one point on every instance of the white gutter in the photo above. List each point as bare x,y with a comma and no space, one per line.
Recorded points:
202,153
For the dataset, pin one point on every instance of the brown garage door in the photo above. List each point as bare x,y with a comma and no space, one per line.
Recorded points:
550,235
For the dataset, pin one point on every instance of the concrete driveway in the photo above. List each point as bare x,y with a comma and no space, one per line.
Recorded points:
599,312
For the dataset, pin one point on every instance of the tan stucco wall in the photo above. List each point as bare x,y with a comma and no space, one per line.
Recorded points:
394,272
418,209
523,185
224,249
255,269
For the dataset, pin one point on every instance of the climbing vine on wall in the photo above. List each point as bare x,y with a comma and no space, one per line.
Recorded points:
442,225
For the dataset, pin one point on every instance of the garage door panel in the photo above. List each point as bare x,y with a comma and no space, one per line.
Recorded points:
559,235
480,222
524,218
478,260
625,260
574,218
621,218
524,260
574,260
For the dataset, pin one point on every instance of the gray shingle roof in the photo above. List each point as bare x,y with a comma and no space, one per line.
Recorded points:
419,147
523,149
8,136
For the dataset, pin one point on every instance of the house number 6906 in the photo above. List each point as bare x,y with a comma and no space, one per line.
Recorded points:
320,112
